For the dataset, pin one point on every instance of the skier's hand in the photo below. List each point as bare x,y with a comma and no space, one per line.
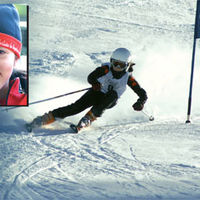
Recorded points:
138,106
96,86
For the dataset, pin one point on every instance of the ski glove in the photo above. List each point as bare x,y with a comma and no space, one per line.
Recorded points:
138,106
96,86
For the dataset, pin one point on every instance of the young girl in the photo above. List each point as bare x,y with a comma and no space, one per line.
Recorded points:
11,93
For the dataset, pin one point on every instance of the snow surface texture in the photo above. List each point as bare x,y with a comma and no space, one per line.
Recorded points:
122,156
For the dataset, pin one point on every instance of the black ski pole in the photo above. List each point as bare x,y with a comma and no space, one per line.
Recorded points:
48,99
40,101
151,118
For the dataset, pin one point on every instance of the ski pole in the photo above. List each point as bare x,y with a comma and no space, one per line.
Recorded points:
151,118
40,101
48,99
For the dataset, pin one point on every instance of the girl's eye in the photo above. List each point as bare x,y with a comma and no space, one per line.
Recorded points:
2,51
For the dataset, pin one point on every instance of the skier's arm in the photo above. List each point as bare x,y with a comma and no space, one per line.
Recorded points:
134,85
97,73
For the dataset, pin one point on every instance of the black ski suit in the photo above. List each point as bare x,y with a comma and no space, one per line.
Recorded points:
98,100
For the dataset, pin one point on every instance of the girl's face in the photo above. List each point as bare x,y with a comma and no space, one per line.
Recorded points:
7,62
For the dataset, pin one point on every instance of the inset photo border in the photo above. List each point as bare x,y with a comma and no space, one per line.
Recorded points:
14,55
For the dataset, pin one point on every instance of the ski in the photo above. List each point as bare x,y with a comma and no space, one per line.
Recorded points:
29,127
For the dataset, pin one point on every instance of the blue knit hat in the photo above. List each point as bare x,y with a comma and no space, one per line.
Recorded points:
10,32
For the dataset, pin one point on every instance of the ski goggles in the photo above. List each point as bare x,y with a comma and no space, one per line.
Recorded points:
119,64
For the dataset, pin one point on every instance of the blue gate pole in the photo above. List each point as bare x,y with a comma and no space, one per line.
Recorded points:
196,35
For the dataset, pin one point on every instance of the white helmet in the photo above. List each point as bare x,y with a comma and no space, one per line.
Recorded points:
121,59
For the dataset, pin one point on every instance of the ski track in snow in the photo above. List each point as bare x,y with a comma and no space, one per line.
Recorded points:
122,156
95,153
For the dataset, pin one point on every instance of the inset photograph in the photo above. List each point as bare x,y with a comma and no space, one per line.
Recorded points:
13,55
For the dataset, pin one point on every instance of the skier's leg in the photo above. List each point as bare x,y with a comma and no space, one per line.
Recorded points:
45,119
86,120
106,101
109,101
84,102
81,104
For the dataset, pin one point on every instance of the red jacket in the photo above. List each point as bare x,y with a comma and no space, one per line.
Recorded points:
14,96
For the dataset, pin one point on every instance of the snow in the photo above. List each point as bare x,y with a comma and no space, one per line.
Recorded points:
123,155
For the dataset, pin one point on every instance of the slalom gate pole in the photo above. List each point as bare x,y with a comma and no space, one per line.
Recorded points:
196,36
191,83
48,99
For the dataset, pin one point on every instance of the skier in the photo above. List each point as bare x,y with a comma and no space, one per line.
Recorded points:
11,93
108,84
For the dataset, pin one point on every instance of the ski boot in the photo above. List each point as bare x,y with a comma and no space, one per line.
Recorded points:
84,122
39,121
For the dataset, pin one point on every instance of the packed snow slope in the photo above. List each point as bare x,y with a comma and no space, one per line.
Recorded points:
123,156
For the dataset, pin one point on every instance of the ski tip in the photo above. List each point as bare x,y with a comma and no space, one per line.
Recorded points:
28,127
